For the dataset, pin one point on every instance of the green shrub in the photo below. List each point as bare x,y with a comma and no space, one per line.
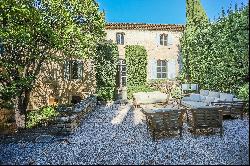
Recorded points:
176,92
42,115
139,88
106,93
244,92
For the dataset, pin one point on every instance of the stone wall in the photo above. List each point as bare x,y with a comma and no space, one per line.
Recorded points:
70,117
65,123
51,87
150,40
7,121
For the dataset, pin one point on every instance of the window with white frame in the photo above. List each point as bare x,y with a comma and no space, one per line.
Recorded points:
73,69
162,69
120,38
164,39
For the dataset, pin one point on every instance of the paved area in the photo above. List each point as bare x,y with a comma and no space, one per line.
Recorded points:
116,134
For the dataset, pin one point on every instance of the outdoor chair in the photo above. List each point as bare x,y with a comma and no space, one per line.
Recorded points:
232,108
160,123
206,118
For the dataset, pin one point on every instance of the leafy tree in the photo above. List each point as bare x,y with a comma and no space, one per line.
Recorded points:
196,19
31,34
218,53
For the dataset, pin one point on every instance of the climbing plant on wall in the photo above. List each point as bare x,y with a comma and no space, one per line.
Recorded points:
105,64
136,60
218,53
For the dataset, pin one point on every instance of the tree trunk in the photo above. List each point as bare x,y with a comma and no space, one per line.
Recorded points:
22,102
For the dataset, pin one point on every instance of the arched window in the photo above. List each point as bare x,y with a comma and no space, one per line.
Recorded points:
164,39
120,38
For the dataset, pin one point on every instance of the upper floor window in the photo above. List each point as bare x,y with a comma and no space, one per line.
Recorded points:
164,39
162,69
73,69
120,38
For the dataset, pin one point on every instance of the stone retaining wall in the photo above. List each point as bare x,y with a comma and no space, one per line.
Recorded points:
69,118
65,123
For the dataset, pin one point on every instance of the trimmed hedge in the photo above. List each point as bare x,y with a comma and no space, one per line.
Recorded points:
216,56
106,59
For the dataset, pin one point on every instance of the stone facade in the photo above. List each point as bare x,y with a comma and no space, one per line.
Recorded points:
148,35
52,87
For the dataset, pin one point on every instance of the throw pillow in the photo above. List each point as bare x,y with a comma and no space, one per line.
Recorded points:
209,100
214,94
195,97
226,97
204,92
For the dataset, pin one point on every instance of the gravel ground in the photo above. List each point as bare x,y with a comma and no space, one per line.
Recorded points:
116,135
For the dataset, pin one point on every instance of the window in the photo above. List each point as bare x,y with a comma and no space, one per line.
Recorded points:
162,69
73,69
164,39
120,38
122,71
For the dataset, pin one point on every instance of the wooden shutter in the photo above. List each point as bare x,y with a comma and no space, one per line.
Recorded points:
152,68
171,69
79,69
122,39
170,39
157,39
66,70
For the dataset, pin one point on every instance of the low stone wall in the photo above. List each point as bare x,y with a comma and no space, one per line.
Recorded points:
65,123
69,118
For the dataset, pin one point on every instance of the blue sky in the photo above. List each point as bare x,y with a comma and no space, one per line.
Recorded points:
158,11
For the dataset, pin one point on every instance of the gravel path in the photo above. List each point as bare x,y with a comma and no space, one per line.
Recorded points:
116,135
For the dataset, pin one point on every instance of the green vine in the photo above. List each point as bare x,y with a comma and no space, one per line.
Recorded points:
106,69
136,60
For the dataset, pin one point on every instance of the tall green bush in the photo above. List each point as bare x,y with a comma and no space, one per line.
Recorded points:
136,60
217,54
106,59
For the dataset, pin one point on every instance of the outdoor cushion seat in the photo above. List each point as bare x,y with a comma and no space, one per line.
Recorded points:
193,104
149,97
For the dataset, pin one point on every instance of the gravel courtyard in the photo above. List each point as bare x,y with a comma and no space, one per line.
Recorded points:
117,135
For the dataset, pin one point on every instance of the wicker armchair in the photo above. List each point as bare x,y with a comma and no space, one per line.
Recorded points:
159,123
206,118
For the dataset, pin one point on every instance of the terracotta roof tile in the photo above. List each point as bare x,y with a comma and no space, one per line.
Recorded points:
143,26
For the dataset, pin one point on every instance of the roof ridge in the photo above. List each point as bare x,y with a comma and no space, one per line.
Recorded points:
145,26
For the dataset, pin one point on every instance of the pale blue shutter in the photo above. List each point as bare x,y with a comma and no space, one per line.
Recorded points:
79,69
152,68
170,39
157,38
66,70
171,69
